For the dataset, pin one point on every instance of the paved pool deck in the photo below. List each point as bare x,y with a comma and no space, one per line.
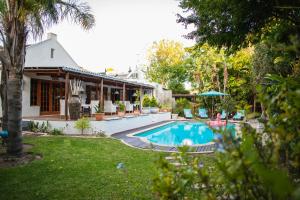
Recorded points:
138,143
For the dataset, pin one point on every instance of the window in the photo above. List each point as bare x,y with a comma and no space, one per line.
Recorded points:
33,92
52,53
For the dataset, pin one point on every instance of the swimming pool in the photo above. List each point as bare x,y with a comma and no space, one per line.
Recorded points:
182,133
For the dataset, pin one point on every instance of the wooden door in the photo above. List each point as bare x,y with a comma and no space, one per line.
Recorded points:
51,93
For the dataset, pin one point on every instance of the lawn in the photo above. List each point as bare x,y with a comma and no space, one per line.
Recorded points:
79,168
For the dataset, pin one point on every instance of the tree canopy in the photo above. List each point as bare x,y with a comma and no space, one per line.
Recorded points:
237,23
168,65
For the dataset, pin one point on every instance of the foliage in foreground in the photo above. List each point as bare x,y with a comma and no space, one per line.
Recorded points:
261,166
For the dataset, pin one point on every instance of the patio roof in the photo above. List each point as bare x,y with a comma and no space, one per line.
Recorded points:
85,73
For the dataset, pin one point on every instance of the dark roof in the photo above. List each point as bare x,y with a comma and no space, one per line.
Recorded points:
94,75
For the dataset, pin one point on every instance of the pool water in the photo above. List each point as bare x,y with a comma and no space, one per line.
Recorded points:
182,133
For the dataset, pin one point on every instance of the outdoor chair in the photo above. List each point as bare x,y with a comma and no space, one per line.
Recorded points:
239,115
109,107
128,106
188,113
202,113
86,111
223,115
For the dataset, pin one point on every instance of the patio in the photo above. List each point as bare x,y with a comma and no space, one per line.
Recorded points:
111,125
47,92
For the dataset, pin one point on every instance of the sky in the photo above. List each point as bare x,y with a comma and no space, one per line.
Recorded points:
124,30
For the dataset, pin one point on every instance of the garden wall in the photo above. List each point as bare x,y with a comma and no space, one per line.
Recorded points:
109,127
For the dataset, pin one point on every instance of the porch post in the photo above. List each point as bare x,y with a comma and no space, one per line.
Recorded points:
67,82
141,98
39,93
124,92
101,94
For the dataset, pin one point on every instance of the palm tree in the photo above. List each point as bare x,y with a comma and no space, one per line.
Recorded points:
18,20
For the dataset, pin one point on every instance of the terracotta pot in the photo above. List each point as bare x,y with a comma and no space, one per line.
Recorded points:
121,114
136,112
99,116
74,107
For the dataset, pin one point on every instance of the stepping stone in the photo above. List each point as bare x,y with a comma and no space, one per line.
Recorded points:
170,158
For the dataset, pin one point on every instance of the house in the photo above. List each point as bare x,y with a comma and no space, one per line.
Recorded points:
137,74
48,72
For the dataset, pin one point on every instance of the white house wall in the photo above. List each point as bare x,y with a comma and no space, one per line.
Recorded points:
109,127
27,110
39,55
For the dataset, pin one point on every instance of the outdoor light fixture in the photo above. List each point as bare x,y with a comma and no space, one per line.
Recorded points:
116,91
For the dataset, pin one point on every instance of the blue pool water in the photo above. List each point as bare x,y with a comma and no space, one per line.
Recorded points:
182,133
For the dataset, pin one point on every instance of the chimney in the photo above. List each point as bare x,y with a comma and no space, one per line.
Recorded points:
51,36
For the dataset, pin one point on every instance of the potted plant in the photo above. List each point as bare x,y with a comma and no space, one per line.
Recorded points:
121,111
136,112
146,104
165,108
153,105
74,102
99,114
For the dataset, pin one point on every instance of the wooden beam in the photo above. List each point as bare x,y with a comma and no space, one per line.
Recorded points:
39,93
101,94
97,91
50,97
124,92
141,98
67,85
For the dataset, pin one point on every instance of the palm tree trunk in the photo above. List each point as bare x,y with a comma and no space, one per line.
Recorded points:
14,48
14,100
225,77
3,94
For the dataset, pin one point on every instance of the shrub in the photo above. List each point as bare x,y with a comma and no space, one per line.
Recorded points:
45,127
33,126
121,106
56,131
146,101
98,109
260,166
181,104
36,127
253,115
153,102
82,124
100,133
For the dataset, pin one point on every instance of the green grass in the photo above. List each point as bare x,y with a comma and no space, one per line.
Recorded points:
81,168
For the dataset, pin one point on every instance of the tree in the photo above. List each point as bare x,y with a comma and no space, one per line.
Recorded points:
3,94
168,65
260,164
19,19
208,63
84,123
229,23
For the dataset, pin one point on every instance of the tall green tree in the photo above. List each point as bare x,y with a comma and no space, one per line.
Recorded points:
18,20
238,23
168,65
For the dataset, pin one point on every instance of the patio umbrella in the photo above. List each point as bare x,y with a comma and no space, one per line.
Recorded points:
212,93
